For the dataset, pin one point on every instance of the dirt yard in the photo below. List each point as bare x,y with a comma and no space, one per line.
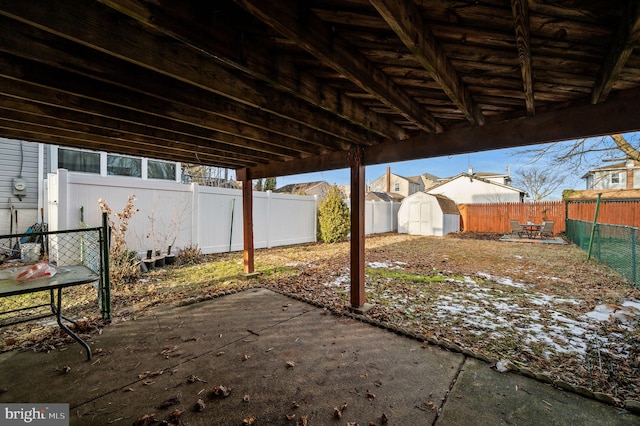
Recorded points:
543,307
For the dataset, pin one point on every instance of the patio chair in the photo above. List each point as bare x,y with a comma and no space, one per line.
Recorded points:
516,228
546,230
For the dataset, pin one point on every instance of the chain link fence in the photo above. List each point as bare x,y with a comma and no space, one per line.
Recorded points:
616,246
61,250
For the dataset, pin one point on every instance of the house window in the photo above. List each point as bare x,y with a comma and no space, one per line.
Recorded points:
396,187
615,178
161,170
78,161
124,166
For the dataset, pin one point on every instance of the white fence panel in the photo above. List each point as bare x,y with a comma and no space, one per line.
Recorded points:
179,215
379,216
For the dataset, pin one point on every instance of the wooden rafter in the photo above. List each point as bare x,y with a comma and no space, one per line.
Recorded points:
625,41
230,46
292,19
520,9
579,121
405,20
92,26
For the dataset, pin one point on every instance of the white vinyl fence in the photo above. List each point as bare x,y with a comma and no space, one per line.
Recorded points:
379,216
180,215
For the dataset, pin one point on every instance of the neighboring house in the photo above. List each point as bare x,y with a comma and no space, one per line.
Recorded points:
428,214
319,188
24,167
623,175
392,183
468,188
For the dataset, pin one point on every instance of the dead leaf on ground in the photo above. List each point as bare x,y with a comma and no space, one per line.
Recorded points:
384,418
290,416
175,415
291,364
295,404
344,406
337,413
221,391
249,420
220,353
246,397
302,421
169,402
193,378
199,405
145,420
148,374
245,357
370,395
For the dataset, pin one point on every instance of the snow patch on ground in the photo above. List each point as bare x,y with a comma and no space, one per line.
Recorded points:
391,265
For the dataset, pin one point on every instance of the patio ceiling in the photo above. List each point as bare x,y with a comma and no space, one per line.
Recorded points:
284,86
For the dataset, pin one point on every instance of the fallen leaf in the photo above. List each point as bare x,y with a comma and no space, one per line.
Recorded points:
128,390
378,383
290,416
193,378
336,413
431,405
221,391
291,364
245,357
384,419
302,421
246,397
175,415
295,404
148,382
249,420
169,402
344,406
370,395
352,423
145,420
200,405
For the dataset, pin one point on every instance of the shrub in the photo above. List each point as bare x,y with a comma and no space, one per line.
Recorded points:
190,255
333,217
124,266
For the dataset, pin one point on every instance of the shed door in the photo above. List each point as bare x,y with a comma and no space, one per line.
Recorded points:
419,218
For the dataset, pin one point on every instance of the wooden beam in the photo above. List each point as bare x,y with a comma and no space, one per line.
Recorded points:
623,44
97,26
357,290
106,95
57,125
296,21
247,220
405,20
520,9
580,121
49,102
231,46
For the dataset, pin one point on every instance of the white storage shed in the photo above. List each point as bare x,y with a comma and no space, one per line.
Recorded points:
428,214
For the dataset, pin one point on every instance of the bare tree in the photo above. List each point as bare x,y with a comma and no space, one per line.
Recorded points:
538,182
563,158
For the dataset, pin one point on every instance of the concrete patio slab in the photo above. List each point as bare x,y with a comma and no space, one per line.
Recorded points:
280,359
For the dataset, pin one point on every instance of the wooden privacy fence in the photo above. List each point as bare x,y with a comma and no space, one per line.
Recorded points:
612,212
495,217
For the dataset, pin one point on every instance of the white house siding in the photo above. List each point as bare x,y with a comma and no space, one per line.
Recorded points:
11,162
465,190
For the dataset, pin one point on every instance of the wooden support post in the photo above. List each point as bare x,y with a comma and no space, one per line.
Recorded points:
357,228
247,221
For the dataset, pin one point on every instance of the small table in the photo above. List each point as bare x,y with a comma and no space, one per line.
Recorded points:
66,276
531,229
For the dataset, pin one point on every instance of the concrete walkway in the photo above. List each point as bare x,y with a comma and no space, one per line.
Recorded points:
279,359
